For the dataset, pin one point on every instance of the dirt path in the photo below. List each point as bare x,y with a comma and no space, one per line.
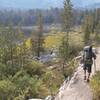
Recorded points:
77,88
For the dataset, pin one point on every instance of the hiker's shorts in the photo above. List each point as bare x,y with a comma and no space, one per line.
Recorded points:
88,67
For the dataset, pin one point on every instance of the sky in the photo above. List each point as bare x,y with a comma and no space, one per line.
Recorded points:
29,4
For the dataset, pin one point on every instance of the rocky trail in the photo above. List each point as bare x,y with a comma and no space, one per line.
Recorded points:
77,88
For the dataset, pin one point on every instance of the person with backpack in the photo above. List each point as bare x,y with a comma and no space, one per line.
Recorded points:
88,56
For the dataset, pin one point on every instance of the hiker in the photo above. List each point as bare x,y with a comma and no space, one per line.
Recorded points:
87,59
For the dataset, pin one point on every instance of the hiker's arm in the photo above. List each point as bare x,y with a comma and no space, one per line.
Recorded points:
94,55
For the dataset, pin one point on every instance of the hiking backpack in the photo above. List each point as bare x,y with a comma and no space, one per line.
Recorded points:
87,55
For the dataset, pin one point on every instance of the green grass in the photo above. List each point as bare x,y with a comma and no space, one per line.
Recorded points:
95,85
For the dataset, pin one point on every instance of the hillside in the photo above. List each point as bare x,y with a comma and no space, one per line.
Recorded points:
41,44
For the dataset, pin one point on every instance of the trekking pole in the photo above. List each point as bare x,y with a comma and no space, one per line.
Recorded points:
94,66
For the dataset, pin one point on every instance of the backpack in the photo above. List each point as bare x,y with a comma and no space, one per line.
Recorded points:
87,55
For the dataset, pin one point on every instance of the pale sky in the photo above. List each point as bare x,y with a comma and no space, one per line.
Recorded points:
27,4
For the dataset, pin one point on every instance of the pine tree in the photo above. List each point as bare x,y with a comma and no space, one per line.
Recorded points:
87,27
67,16
37,44
97,25
66,24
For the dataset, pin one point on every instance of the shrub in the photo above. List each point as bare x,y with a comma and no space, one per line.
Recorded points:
29,87
7,89
95,84
3,73
70,68
35,68
53,79
19,98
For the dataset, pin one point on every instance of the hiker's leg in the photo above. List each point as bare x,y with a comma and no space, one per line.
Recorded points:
89,75
89,72
84,72
88,79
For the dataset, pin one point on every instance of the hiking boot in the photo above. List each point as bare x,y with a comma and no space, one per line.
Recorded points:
84,77
88,80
